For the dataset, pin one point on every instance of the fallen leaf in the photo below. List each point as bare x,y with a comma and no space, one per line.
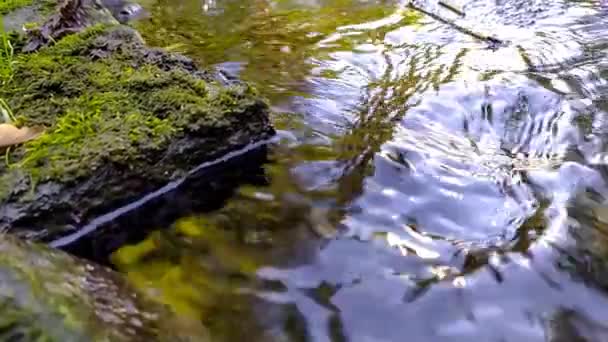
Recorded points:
11,135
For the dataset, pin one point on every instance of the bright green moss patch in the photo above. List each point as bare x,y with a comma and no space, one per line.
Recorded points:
106,99
69,145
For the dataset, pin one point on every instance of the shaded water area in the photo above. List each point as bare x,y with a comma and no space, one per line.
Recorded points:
425,186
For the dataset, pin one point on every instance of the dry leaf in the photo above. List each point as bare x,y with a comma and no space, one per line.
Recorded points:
11,135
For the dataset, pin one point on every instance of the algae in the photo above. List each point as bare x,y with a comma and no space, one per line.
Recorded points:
200,271
208,266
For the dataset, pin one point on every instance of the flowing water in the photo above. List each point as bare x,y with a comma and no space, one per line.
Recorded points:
425,186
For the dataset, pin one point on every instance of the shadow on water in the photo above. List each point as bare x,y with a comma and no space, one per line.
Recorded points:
424,186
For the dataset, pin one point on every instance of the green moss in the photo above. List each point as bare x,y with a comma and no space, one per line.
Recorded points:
68,145
7,6
104,99
6,58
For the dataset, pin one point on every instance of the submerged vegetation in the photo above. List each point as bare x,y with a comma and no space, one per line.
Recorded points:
206,286
387,210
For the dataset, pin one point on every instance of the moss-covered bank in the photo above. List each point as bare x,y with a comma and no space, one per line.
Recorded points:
122,119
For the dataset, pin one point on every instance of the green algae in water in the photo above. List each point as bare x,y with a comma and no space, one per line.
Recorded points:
205,266
198,269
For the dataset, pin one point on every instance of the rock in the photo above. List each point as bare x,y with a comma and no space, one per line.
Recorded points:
122,119
73,16
124,11
20,13
567,325
98,239
47,295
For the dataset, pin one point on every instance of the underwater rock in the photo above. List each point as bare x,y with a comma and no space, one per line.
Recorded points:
586,257
47,295
124,11
122,119
566,325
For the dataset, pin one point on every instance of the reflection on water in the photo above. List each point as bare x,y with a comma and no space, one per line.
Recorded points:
425,187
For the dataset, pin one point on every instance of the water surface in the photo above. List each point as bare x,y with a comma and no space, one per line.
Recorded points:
426,186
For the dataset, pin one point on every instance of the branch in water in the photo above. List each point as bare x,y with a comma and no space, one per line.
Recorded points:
451,7
493,41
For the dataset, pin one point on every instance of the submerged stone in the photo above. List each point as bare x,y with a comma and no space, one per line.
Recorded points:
121,118
47,295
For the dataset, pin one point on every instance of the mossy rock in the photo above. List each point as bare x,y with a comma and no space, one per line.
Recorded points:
47,295
17,14
121,119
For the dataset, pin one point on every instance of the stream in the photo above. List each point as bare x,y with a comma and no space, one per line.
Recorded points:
424,186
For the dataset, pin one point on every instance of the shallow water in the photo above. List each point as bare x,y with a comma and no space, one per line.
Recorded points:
426,186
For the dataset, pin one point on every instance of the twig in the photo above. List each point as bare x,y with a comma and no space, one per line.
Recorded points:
7,113
7,160
493,41
445,4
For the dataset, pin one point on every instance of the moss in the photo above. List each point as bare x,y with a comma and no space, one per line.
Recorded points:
7,6
44,7
69,145
104,99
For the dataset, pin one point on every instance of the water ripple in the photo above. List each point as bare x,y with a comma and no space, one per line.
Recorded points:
455,192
